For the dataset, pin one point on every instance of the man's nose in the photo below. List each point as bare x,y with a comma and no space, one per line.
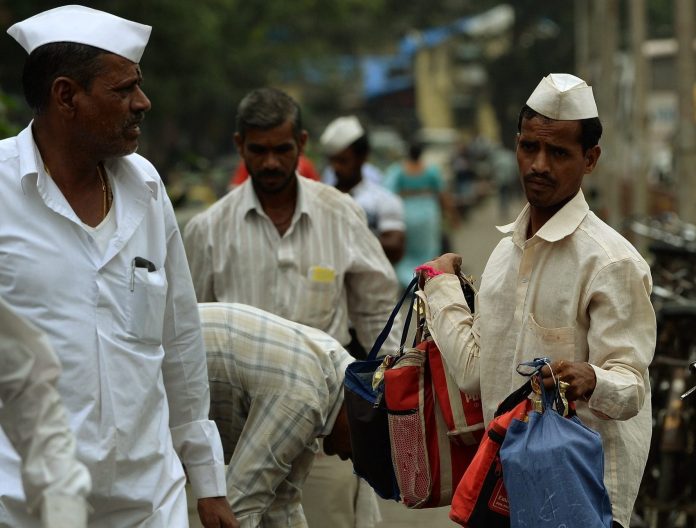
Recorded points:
141,102
540,163
271,161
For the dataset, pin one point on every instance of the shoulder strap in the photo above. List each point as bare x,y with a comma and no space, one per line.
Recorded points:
387,328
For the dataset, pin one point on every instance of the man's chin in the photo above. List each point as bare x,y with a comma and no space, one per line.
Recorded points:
272,185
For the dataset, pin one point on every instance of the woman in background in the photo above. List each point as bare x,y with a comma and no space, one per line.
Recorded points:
421,188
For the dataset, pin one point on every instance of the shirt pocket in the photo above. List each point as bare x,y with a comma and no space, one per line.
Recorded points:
148,298
555,343
319,302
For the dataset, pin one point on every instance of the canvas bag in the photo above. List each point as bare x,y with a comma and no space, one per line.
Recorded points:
553,469
480,500
367,416
434,428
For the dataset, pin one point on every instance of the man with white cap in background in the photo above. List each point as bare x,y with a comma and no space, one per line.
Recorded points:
346,144
564,285
33,418
93,257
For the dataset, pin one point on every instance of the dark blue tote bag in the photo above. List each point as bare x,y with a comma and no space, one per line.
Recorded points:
553,469
367,414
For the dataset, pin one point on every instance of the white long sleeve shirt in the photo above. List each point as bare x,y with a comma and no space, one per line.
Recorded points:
33,418
134,377
577,291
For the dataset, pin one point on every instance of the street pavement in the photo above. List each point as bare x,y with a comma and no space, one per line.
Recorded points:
476,236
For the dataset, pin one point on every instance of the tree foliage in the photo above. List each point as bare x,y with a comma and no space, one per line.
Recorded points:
204,55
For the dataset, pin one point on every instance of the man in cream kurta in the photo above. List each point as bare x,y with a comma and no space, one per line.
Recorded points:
563,285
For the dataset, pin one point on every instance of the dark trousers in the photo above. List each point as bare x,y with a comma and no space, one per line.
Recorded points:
616,525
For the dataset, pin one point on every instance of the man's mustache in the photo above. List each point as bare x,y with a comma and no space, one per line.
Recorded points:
139,118
270,174
539,178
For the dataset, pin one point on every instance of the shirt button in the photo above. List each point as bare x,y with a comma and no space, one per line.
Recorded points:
525,280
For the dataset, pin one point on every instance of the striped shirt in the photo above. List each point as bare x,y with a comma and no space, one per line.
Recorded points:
327,269
275,386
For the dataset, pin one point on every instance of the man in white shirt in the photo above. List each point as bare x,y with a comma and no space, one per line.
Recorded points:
275,387
299,249
91,255
564,285
33,418
347,146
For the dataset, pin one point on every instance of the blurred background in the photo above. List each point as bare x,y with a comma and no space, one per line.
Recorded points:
453,75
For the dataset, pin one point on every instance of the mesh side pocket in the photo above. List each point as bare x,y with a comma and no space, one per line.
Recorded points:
410,458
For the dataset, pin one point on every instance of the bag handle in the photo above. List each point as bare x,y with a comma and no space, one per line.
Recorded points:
550,399
390,322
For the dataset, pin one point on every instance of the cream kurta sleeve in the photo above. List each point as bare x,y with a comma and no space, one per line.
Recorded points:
454,329
33,418
621,338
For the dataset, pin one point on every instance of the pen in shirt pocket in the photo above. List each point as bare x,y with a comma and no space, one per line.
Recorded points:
140,262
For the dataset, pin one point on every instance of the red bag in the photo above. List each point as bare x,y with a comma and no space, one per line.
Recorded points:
480,500
434,428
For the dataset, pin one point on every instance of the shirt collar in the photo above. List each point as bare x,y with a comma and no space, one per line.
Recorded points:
559,226
250,202
360,187
31,163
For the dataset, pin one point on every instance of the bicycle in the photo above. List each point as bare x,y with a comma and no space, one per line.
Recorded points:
667,496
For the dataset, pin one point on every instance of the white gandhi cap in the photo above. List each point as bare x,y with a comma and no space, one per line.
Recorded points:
563,97
340,134
82,25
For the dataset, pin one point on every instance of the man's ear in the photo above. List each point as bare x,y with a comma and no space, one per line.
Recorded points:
64,94
591,158
239,142
302,141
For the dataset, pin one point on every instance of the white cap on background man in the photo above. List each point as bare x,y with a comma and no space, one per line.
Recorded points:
340,134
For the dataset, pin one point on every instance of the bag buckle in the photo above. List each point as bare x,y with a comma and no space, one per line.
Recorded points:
378,376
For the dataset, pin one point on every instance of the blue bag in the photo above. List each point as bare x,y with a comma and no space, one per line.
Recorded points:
367,414
553,469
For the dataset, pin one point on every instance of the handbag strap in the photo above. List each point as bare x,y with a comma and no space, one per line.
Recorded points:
514,398
390,322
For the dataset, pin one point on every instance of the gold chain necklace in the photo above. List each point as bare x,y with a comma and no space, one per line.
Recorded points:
108,196
106,190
